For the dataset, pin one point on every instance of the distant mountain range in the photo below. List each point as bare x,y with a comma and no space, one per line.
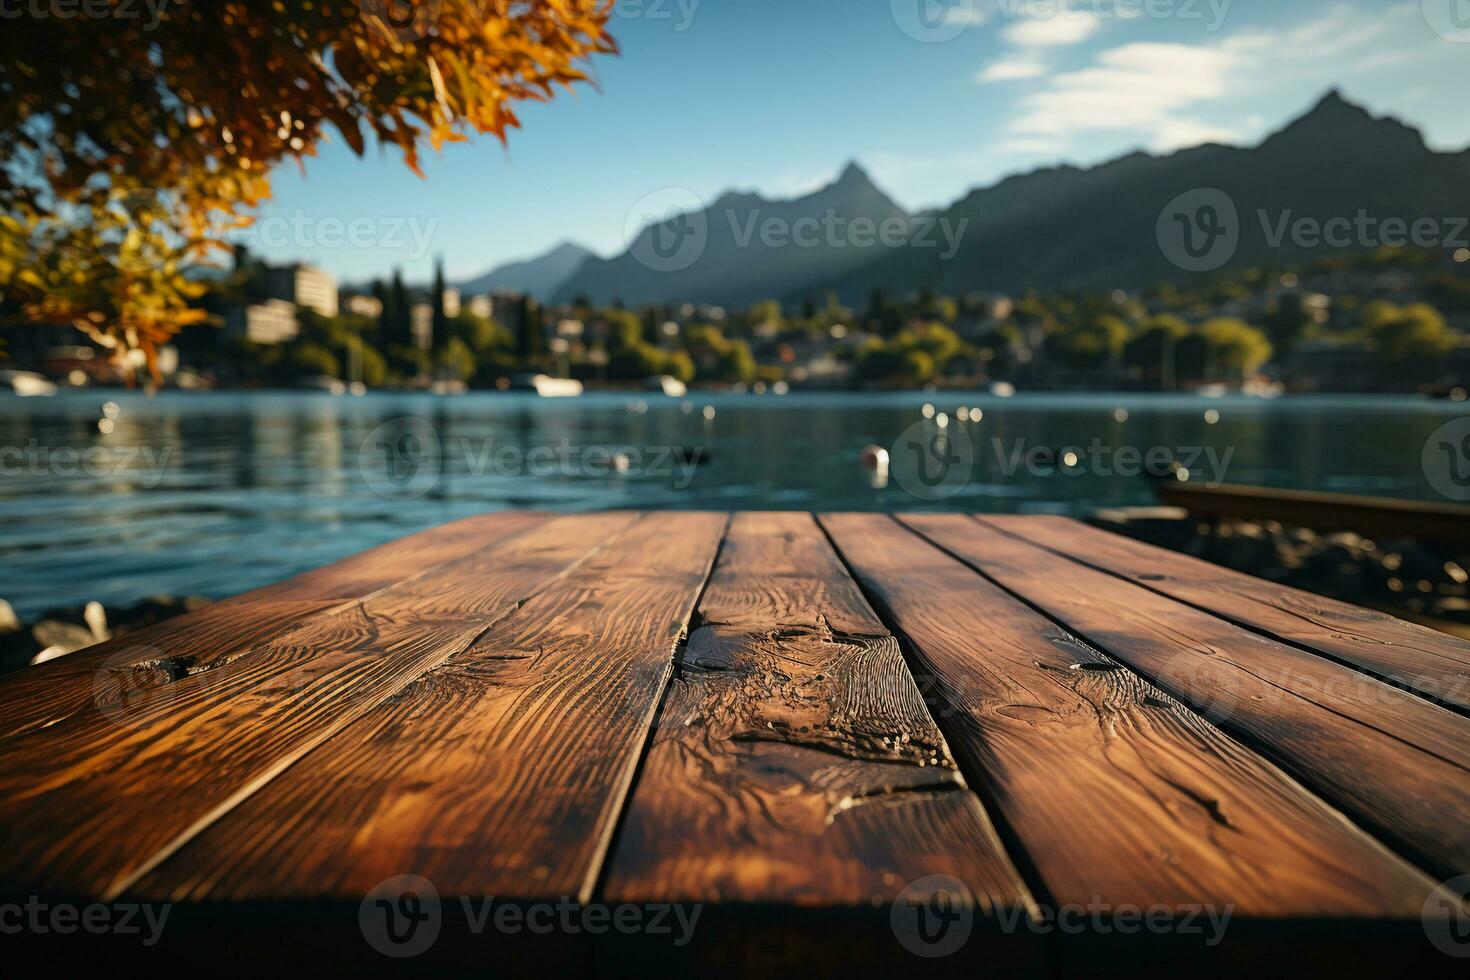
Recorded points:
749,249
538,277
1100,227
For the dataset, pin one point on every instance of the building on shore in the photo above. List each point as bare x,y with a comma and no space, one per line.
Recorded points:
270,322
361,304
303,285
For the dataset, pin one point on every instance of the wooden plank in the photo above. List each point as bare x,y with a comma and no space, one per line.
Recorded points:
53,692
501,771
1424,661
795,760
1398,765
87,807
1057,729
1380,517
393,561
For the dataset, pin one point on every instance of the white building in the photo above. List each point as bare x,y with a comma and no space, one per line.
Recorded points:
271,322
304,285
359,304
421,322
482,306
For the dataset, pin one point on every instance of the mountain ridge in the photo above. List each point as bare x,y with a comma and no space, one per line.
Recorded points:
730,259
1056,226
538,276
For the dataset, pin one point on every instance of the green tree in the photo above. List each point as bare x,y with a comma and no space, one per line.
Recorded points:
1092,343
1155,348
1288,323
1415,333
917,367
1235,346
312,359
737,364
680,365
440,323
457,360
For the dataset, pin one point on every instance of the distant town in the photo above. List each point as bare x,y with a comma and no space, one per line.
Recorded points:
1390,320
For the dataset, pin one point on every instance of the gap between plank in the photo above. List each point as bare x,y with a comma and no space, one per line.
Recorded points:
976,782
1382,835
1239,624
166,851
600,867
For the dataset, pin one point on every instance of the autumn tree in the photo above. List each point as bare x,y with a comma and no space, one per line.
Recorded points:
133,143
1234,347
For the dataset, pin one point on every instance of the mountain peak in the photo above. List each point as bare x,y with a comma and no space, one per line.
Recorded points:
854,176
1335,121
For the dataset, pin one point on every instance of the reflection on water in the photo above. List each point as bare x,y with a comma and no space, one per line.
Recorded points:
216,493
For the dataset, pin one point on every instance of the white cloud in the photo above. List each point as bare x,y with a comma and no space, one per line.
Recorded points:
1060,28
1179,134
1159,89
1011,69
1136,85
1030,146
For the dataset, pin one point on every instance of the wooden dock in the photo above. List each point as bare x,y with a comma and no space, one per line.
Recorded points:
835,736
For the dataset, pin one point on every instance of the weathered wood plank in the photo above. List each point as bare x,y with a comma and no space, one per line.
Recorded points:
1058,730
1422,660
1395,763
795,760
88,806
53,692
377,568
499,772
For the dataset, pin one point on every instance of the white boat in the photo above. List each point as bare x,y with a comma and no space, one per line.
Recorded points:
323,383
547,386
27,384
669,385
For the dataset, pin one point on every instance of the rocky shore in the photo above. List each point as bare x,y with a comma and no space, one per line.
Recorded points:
1415,580
58,632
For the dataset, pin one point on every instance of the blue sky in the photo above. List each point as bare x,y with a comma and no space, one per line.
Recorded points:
777,95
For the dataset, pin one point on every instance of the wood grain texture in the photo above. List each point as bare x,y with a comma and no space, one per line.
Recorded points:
1420,659
88,806
1056,730
1395,763
795,761
58,690
390,562
499,772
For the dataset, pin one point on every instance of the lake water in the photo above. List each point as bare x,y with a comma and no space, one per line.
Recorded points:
215,493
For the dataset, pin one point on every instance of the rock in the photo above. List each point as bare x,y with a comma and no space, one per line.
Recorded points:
9,621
